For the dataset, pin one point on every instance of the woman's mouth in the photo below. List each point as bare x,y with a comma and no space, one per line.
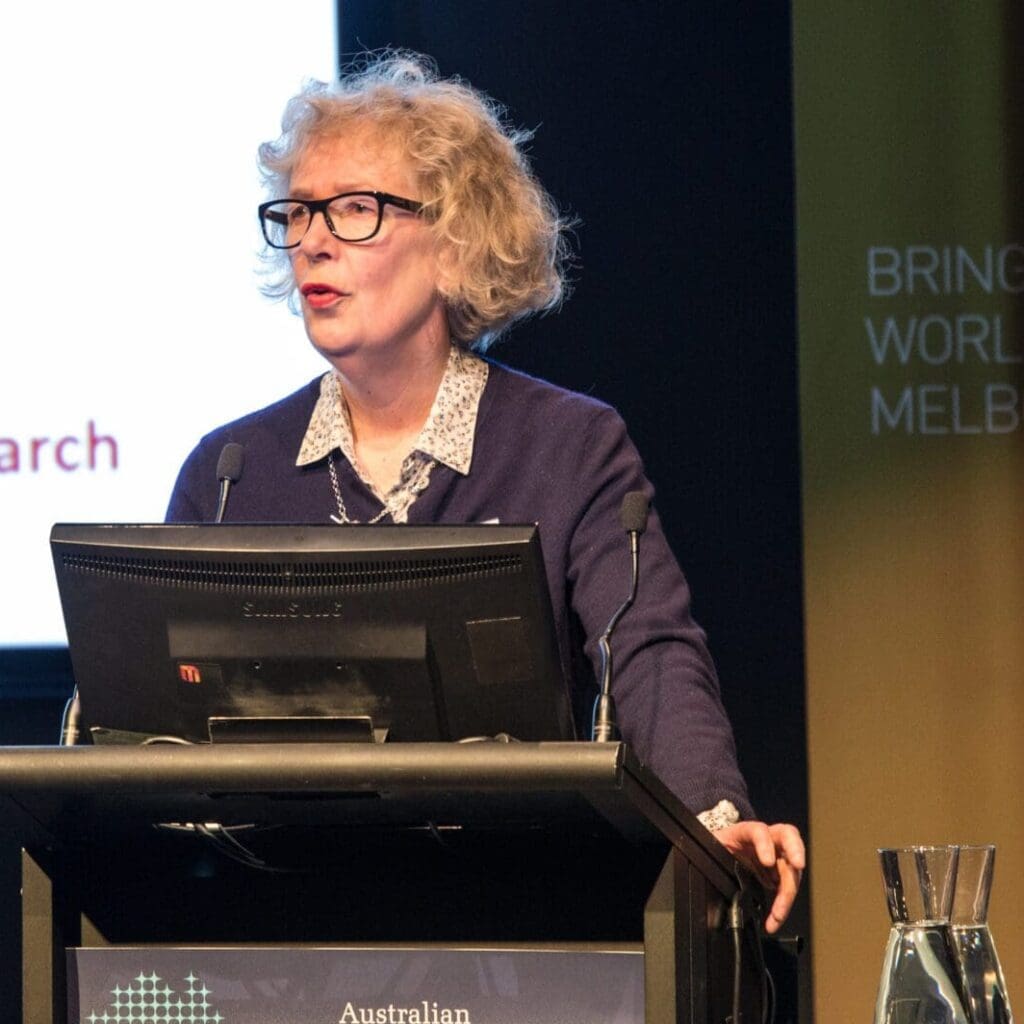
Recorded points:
320,296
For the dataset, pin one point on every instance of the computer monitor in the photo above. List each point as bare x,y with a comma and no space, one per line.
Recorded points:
270,632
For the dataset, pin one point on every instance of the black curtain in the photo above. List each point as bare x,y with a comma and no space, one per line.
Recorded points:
666,129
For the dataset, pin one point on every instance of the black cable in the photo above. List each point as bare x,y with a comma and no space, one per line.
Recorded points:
742,898
736,927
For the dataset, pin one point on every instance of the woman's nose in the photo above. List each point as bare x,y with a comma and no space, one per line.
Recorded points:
318,237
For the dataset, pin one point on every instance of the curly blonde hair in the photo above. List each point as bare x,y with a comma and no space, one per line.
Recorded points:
501,239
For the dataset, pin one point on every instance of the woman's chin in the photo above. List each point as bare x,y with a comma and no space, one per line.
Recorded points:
335,349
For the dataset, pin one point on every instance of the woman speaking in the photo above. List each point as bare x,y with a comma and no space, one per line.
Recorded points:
406,225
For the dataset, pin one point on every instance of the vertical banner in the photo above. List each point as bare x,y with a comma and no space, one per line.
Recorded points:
911,282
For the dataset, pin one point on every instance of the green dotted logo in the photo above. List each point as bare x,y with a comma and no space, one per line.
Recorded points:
149,1000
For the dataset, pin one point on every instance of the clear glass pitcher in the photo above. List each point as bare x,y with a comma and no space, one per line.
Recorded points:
981,974
921,981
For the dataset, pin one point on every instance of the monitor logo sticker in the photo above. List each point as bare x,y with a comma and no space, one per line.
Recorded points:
199,674
148,998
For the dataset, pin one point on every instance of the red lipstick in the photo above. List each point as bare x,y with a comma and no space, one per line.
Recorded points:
320,296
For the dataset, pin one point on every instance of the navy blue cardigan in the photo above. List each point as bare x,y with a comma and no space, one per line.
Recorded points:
563,460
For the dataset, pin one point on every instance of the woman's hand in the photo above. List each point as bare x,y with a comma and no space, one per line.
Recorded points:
775,854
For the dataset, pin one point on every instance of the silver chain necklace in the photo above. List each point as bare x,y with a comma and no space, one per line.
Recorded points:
412,490
342,518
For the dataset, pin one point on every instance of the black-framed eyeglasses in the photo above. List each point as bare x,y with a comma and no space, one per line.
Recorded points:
350,216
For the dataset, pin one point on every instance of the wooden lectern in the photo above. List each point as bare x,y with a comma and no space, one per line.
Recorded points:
505,844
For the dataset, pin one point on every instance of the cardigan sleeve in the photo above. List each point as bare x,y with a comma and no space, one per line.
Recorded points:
664,681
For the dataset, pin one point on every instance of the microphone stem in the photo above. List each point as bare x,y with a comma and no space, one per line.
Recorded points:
70,726
222,503
605,727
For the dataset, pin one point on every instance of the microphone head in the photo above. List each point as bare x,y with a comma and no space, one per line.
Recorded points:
633,514
229,465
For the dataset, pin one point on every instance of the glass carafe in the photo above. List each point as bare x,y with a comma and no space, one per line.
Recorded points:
920,976
981,974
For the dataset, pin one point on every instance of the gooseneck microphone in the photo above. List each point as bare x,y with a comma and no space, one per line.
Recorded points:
633,516
229,471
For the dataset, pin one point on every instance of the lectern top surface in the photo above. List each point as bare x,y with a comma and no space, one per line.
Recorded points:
68,795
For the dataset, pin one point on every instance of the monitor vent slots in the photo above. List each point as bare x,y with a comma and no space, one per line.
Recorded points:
298,576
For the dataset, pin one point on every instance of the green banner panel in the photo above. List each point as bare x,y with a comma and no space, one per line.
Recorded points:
910,228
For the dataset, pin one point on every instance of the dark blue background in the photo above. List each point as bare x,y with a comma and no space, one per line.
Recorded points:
667,129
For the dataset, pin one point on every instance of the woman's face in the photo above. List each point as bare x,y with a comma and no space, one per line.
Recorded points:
378,299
